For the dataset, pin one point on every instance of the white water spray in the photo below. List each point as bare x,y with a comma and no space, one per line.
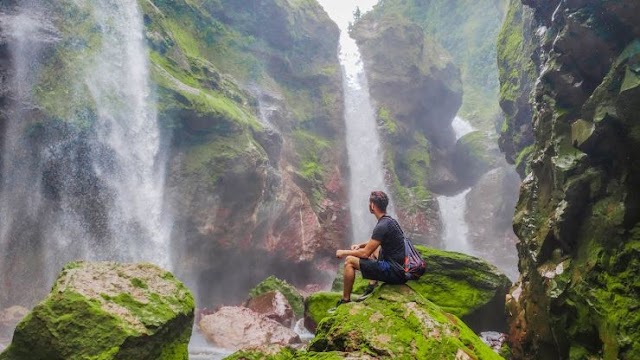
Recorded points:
91,193
363,142
452,208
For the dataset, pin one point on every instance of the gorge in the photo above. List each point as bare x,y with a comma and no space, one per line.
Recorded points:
229,141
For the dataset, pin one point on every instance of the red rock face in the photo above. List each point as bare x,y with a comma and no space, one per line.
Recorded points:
274,306
236,328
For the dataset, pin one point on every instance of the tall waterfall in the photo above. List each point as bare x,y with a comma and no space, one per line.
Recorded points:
452,208
363,142
89,186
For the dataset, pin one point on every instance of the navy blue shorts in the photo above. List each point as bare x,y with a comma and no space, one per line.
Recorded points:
381,270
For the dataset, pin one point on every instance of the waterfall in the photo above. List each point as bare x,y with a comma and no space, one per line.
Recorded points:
90,185
452,208
364,148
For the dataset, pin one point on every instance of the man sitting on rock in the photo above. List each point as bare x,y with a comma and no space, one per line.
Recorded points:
381,257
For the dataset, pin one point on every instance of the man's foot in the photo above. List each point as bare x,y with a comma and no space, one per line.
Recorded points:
367,292
340,302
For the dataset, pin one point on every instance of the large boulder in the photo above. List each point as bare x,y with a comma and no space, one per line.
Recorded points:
235,328
274,306
462,285
272,283
465,286
397,322
108,311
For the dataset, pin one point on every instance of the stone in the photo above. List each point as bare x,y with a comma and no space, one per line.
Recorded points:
292,295
397,322
108,311
274,306
235,328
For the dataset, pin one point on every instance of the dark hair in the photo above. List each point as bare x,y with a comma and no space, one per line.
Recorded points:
380,200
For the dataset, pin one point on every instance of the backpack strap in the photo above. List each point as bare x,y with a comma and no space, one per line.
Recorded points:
395,224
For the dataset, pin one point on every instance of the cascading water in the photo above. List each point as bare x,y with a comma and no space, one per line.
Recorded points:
86,186
363,142
452,208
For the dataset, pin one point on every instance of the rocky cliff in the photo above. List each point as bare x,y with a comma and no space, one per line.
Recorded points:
578,213
417,92
255,106
248,95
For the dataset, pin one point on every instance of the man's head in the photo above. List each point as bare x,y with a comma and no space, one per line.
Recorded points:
380,200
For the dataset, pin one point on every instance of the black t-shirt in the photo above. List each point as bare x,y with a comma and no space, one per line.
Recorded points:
388,232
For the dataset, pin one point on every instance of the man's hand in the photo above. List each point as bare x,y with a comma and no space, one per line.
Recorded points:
340,254
355,247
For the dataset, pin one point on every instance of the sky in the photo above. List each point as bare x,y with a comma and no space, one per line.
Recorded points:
341,11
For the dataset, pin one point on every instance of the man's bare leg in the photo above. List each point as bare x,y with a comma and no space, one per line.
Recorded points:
351,264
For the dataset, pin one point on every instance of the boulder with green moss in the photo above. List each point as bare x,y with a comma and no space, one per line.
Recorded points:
272,283
476,153
398,323
465,286
108,311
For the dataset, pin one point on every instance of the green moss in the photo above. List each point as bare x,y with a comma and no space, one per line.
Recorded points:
397,323
290,293
216,157
139,283
466,29
389,126
317,305
474,282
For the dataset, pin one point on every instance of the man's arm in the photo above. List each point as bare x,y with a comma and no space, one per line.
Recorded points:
359,246
363,253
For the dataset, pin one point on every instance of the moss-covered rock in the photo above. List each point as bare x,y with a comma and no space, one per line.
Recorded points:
251,93
398,323
577,217
517,73
465,286
476,153
467,29
272,283
108,311
418,92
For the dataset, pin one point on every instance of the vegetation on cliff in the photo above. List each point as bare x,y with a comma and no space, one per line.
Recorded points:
467,29
517,75
418,92
577,217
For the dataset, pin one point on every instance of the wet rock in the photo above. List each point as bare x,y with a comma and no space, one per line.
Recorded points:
237,328
108,311
274,306
293,297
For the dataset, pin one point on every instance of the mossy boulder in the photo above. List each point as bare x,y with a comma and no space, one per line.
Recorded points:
108,311
272,283
398,323
316,306
285,353
465,286
476,153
